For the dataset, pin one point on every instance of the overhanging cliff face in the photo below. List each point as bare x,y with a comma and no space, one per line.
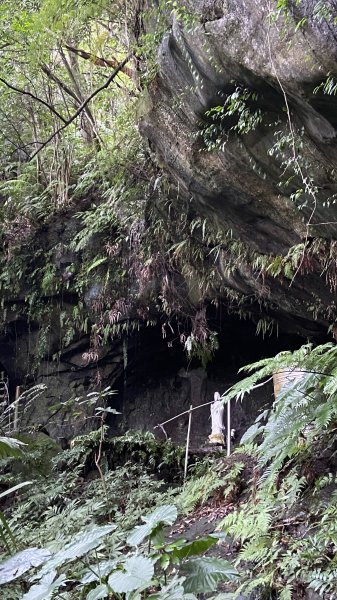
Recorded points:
246,185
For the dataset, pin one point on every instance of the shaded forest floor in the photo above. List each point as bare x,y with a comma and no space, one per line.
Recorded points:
138,474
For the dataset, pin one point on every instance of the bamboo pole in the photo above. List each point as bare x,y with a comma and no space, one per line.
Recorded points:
9,416
16,408
228,427
186,412
188,441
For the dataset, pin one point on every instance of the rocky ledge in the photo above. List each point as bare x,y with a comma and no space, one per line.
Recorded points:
272,188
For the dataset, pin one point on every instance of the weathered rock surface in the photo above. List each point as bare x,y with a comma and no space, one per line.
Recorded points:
157,384
243,185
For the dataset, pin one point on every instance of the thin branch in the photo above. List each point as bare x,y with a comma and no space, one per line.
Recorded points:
186,412
74,74
88,126
99,60
59,82
164,432
84,104
16,147
327,223
307,187
304,371
24,92
11,124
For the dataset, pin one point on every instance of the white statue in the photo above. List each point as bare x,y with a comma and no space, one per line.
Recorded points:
217,410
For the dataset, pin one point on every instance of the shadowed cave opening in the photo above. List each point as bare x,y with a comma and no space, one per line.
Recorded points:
161,382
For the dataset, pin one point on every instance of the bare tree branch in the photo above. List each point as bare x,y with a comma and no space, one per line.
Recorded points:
84,104
59,82
89,124
16,147
24,92
98,60
12,125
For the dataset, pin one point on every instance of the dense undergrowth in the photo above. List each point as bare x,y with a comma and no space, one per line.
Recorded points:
273,504
285,526
69,510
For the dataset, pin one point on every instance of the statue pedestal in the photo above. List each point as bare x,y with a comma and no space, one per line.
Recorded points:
216,438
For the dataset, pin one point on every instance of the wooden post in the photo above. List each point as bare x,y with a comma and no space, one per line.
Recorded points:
188,441
228,427
16,408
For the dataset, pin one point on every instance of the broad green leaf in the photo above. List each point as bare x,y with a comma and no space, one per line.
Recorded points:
80,546
10,447
194,548
138,571
112,411
166,515
226,596
100,592
22,562
164,561
45,589
203,574
158,536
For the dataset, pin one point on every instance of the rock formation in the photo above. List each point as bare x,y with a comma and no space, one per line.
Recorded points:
249,184
265,178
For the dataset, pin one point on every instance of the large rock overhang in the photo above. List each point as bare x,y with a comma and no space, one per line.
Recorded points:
242,186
